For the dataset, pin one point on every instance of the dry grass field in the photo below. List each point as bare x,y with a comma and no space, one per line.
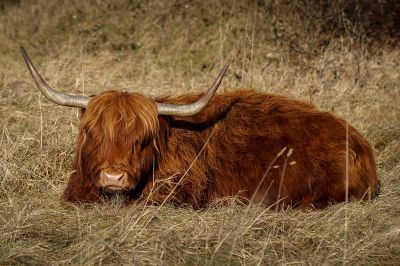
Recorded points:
344,57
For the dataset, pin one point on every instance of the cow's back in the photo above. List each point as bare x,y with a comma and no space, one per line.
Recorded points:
265,148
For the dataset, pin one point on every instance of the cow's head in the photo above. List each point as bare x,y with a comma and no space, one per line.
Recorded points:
119,131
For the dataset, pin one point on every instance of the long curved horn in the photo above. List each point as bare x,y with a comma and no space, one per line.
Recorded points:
193,108
51,94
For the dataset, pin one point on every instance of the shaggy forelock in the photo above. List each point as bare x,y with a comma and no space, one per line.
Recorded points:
114,115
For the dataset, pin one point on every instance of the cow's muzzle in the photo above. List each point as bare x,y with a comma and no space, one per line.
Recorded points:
114,181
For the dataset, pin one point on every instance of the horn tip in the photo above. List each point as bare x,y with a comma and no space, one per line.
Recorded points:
24,53
21,47
224,69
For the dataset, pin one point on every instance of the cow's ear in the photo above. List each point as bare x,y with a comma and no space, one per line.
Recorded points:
83,110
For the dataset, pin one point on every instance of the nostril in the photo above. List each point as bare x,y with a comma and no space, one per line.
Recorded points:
119,179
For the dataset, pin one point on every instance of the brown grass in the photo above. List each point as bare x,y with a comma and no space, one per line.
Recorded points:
171,47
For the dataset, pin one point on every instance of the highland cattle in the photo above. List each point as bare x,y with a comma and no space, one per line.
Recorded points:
197,148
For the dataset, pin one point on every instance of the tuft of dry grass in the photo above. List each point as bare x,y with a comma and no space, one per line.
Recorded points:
173,47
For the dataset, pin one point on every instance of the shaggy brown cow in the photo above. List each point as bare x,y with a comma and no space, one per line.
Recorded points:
255,146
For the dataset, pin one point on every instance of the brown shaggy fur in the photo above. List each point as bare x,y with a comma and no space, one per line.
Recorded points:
255,146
